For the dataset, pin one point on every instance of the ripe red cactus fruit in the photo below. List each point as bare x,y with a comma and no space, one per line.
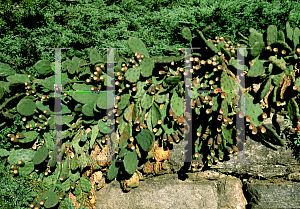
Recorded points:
248,119
204,136
198,133
262,129
211,103
225,119
219,129
230,121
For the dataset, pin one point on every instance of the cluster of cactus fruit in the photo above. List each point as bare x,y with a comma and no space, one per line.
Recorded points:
149,109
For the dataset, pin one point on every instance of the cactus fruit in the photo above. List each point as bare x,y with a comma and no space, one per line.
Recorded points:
221,111
262,129
170,140
248,119
175,137
254,131
210,142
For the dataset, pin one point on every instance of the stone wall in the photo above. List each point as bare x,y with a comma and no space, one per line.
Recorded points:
269,177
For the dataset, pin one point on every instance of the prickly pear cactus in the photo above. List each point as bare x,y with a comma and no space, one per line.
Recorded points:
149,104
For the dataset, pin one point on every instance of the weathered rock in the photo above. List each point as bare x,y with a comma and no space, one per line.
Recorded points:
261,159
293,176
168,191
263,194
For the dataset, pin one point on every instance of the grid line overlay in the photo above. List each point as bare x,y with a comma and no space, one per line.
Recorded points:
110,141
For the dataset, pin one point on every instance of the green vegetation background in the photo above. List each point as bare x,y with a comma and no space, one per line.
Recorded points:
27,27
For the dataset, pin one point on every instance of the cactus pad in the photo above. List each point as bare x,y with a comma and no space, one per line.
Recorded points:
112,171
187,34
145,139
147,101
104,98
24,155
26,107
6,70
52,200
29,137
257,48
27,168
133,74
252,110
147,67
137,45
177,104
40,155
271,34
257,69
85,184
43,67
130,162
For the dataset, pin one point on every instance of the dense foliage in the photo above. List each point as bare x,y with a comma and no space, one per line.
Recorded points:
149,88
